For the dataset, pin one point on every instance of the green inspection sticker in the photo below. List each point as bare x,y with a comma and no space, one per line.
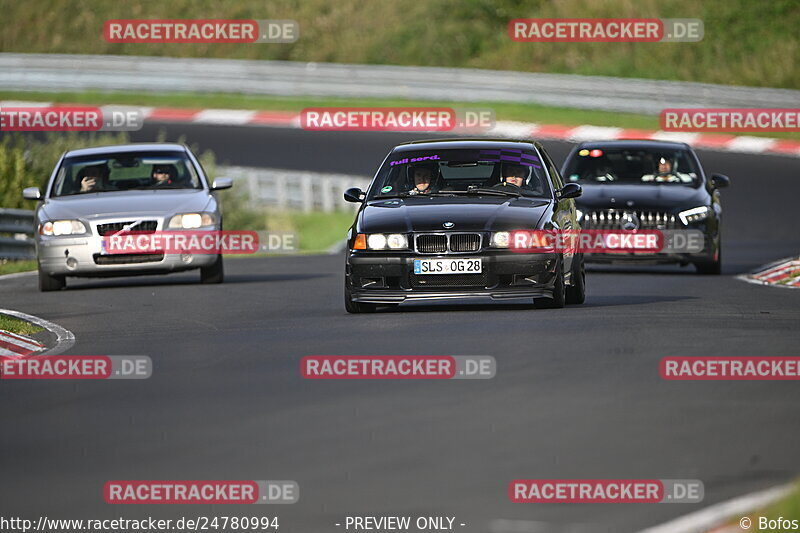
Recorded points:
387,188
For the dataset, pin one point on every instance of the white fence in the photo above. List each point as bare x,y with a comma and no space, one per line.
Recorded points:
294,189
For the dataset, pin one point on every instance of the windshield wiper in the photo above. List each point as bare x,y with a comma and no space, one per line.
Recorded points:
498,192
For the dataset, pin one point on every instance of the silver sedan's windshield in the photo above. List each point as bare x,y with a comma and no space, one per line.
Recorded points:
124,172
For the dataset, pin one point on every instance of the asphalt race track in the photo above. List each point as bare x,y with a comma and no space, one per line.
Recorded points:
577,392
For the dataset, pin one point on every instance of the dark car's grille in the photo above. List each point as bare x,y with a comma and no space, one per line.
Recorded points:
616,218
465,242
449,280
145,226
127,259
442,243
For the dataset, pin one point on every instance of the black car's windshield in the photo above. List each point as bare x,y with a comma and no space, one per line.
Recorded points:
125,171
631,166
460,172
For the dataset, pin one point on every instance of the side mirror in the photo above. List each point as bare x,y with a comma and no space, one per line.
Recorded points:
32,193
221,183
354,195
719,181
570,190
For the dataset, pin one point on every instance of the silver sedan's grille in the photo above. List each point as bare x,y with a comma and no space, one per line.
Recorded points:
618,218
440,243
145,226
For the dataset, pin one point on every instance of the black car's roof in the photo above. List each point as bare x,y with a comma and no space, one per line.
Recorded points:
468,144
636,143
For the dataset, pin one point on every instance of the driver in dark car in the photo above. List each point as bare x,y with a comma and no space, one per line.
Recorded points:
424,177
513,175
665,172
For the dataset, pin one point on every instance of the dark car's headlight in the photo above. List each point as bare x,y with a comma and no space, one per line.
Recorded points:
192,220
62,227
693,215
578,214
381,241
500,239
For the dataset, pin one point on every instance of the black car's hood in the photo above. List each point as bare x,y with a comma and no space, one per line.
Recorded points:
402,215
657,197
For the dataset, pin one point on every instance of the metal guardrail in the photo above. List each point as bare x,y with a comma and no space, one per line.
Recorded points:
16,234
62,72
294,189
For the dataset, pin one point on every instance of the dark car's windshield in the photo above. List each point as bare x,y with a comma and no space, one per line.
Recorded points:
630,166
478,172
125,171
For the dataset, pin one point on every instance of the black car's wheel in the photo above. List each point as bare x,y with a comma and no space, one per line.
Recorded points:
49,283
711,268
214,273
576,293
356,307
559,295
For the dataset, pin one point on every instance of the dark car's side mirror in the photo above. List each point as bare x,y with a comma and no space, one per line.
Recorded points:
32,193
354,195
570,190
718,181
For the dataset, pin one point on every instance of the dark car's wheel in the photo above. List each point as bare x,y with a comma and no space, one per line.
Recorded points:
711,268
49,283
214,273
559,295
576,293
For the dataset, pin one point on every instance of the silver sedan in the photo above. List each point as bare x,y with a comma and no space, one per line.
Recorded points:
144,188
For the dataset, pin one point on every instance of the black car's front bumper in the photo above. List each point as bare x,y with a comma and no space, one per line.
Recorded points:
389,278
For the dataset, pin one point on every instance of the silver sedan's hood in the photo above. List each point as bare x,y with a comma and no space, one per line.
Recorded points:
119,204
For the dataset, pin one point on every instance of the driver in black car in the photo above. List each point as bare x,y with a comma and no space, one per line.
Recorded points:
424,177
665,167
513,175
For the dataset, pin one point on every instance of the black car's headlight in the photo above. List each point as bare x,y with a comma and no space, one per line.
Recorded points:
62,227
381,241
500,239
192,220
693,215
578,214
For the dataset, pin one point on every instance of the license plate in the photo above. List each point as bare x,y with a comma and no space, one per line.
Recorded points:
447,266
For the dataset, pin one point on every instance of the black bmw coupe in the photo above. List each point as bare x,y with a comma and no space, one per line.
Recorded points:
437,220
650,185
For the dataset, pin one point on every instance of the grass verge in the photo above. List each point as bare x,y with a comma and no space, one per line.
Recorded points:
503,111
12,267
15,325
787,508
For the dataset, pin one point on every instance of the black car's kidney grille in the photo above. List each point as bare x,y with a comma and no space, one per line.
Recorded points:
616,218
443,243
127,259
465,242
431,244
145,226
449,280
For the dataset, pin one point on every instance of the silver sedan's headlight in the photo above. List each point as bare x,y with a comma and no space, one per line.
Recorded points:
192,220
63,227
695,214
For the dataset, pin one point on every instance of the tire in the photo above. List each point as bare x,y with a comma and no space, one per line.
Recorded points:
214,273
49,283
576,293
710,268
356,307
559,294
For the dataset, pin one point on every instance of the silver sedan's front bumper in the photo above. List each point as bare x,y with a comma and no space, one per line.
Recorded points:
84,256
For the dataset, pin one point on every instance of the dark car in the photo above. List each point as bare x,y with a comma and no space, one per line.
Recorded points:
650,185
436,220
